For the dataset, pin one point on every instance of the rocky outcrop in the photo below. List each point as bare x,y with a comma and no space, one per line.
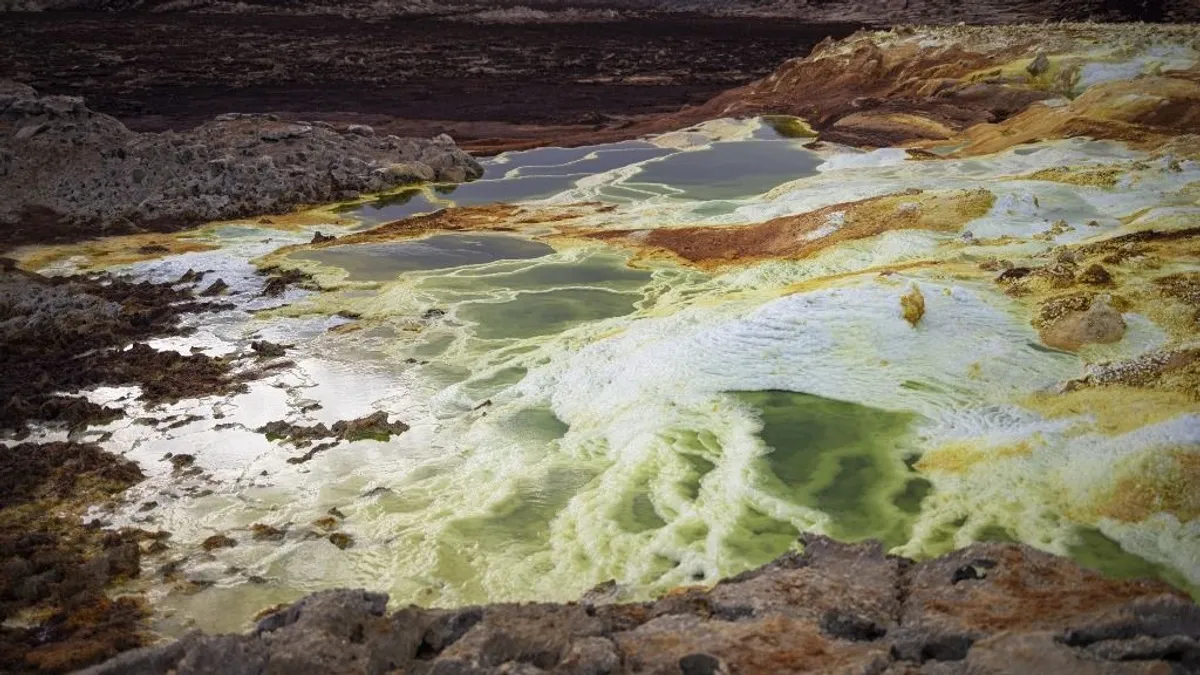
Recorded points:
62,335
928,84
68,172
989,608
55,615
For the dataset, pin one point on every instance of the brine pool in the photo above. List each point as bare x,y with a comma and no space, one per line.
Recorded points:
577,417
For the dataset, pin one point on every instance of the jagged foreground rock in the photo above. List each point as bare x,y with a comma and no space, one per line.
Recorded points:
988,608
68,172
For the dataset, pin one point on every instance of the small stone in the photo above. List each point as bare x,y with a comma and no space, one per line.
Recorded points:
181,462
1060,273
848,626
286,132
965,573
218,541
264,532
700,664
341,540
192,586
326,522
268,350
218,287
1013,273
913,305
170,570
1039,65
1095,275
154,547
372,427
190,277
1066,255
994,264
29,131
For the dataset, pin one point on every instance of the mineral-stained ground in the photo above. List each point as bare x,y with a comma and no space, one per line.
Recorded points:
887,362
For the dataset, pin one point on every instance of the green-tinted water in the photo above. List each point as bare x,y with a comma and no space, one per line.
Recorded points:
382,262
730,170
541,313
843,459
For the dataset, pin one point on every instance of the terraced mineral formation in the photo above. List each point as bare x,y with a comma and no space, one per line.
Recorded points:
1131,82
956,317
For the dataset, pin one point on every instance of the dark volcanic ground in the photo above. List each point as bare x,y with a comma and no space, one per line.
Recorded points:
159,71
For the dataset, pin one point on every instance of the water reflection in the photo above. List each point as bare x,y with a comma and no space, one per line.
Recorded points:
383,262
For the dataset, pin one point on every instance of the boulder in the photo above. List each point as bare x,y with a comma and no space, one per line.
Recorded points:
1098,324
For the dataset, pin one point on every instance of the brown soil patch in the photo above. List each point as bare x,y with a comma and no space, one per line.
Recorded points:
110,251
54,569
1116,409
803,235
1161,484
1147,113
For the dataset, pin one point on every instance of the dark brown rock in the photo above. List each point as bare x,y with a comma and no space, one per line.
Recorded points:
268,350
54,569
375,426
60,335
1095,275
217,287
264,532
832,608
218,541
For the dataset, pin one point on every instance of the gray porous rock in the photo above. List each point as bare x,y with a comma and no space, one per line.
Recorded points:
68,172
835,608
